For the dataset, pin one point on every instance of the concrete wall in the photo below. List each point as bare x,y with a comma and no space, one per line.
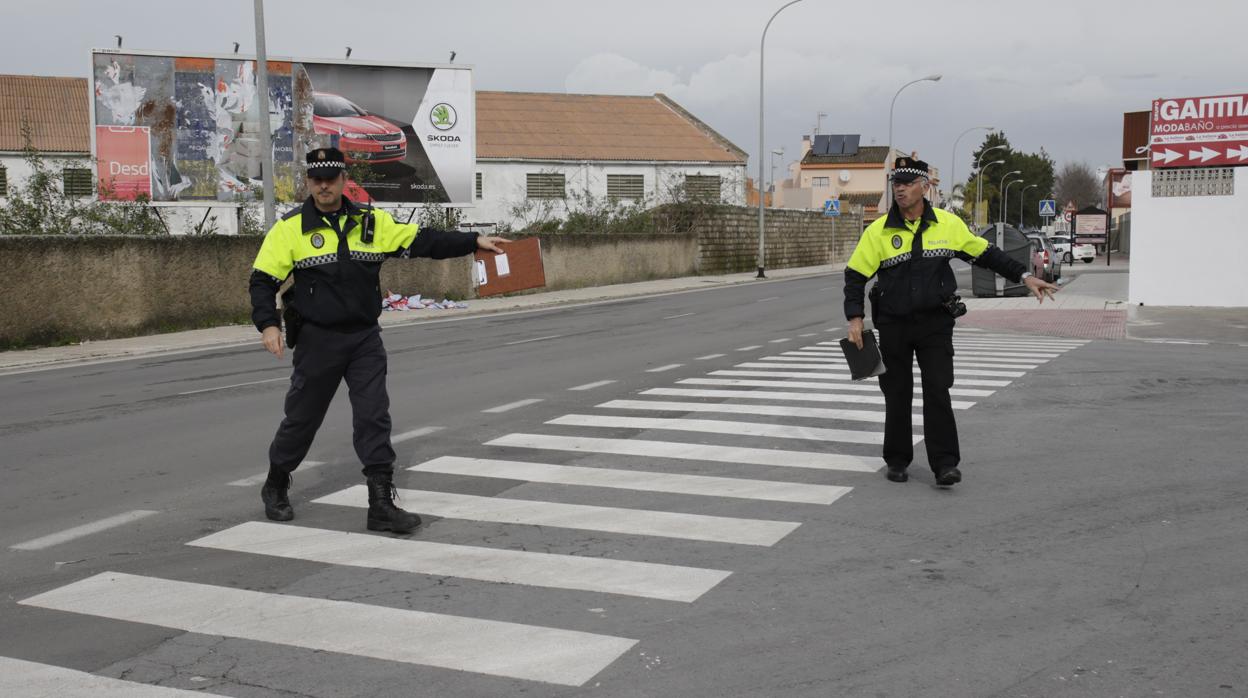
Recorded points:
1188,250
728,240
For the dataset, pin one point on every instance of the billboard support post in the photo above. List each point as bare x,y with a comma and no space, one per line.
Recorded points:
267,173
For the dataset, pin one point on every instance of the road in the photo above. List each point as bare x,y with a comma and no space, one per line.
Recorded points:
1097,547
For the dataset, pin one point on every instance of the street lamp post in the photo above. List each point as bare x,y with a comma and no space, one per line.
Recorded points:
774,153
1001,186
261,105
888,159
1005,202
1021,194
979,180
762,45
953,172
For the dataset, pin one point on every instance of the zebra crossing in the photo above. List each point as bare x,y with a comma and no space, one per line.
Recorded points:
828,423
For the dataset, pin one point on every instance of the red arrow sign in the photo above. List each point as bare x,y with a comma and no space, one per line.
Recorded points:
1200,153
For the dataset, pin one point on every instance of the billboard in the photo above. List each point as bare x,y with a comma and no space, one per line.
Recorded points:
1119,189
1091,225
1199,131
408,131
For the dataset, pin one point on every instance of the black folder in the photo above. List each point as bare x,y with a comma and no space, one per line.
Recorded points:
865,362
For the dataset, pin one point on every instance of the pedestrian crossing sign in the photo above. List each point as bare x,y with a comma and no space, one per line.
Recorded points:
832,207
1048,208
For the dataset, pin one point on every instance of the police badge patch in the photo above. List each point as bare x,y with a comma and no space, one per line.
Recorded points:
318,240
896,242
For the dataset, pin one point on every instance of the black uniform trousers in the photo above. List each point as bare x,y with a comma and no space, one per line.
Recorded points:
323,358
928,336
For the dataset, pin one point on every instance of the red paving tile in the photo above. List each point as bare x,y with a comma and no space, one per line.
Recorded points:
1091,324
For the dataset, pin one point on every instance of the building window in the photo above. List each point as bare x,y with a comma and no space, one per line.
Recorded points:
621,186
478,185
821,182
703,188
76,181
4,181
544,185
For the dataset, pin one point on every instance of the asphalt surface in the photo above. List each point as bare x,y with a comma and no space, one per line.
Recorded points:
1097,547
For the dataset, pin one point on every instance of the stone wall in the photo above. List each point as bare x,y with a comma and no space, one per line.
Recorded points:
728,239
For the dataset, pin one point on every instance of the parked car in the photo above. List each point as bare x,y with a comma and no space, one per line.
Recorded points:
1052,260
1082,251
1037,259
362,137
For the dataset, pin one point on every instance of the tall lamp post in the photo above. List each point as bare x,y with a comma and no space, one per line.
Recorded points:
979,180
1021,194
888,159
261,104
1002,186
953,172
774,153
762,45
979,184
1005,202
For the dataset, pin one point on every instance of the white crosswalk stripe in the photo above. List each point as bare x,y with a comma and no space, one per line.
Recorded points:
22,679
687,451
863,387
839,367
642,481
802,357
497,648
822,376
668,582
638,522
872,416
783,396
714,426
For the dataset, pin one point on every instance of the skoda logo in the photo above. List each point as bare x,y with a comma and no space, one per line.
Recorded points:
318,240
443,116
896,242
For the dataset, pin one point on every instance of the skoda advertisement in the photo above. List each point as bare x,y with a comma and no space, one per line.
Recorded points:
408,131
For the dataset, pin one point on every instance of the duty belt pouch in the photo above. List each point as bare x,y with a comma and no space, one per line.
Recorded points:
291,319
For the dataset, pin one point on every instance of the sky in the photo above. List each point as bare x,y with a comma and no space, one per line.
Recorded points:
1056,75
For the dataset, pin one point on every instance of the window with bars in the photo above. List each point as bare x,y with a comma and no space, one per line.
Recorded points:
703,188
821,182
626,186
76,181
478,188
545,185
4,181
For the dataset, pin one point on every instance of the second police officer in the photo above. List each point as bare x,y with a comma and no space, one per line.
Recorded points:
913,309
335,248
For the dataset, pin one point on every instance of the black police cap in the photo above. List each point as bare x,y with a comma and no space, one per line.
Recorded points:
908,169
326,162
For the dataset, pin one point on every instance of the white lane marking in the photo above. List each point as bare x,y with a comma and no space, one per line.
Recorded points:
769,298
687,451
535,339
708,357
638,522
752,347
826,387
869,416
497,648
778,395
673,317
661,369
644,579
513,405
830,359
30,679
1013,345
1175,341
235,385
779,341
258,479
84,530
591,386
717,426
843,367
642,481
809,334
415,433
824,376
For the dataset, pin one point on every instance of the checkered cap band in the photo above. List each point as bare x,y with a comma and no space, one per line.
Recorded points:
326,163
910,171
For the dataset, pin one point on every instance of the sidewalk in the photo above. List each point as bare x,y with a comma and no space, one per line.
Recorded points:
236,335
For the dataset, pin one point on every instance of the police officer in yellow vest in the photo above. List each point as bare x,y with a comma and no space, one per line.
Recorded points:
335,248
913,306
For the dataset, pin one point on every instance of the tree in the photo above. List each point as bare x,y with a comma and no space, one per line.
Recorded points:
1034,168
1077,184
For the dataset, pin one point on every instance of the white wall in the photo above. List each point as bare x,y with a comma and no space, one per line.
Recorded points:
503,186
1188,250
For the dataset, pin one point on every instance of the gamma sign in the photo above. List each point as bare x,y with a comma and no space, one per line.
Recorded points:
1199,131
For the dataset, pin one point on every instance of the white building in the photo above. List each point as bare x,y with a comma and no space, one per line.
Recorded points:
543,155
53,114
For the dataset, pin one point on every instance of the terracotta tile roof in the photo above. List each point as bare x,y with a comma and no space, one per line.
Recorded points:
550,126
57,110
866,154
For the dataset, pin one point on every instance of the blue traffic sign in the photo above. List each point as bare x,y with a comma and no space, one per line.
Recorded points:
832,207
1048,208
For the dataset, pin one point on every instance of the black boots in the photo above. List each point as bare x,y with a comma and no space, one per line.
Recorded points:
276,496
948,477
383,515
897,474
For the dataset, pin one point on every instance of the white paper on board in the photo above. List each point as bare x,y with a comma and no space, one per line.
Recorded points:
501,265
480,272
